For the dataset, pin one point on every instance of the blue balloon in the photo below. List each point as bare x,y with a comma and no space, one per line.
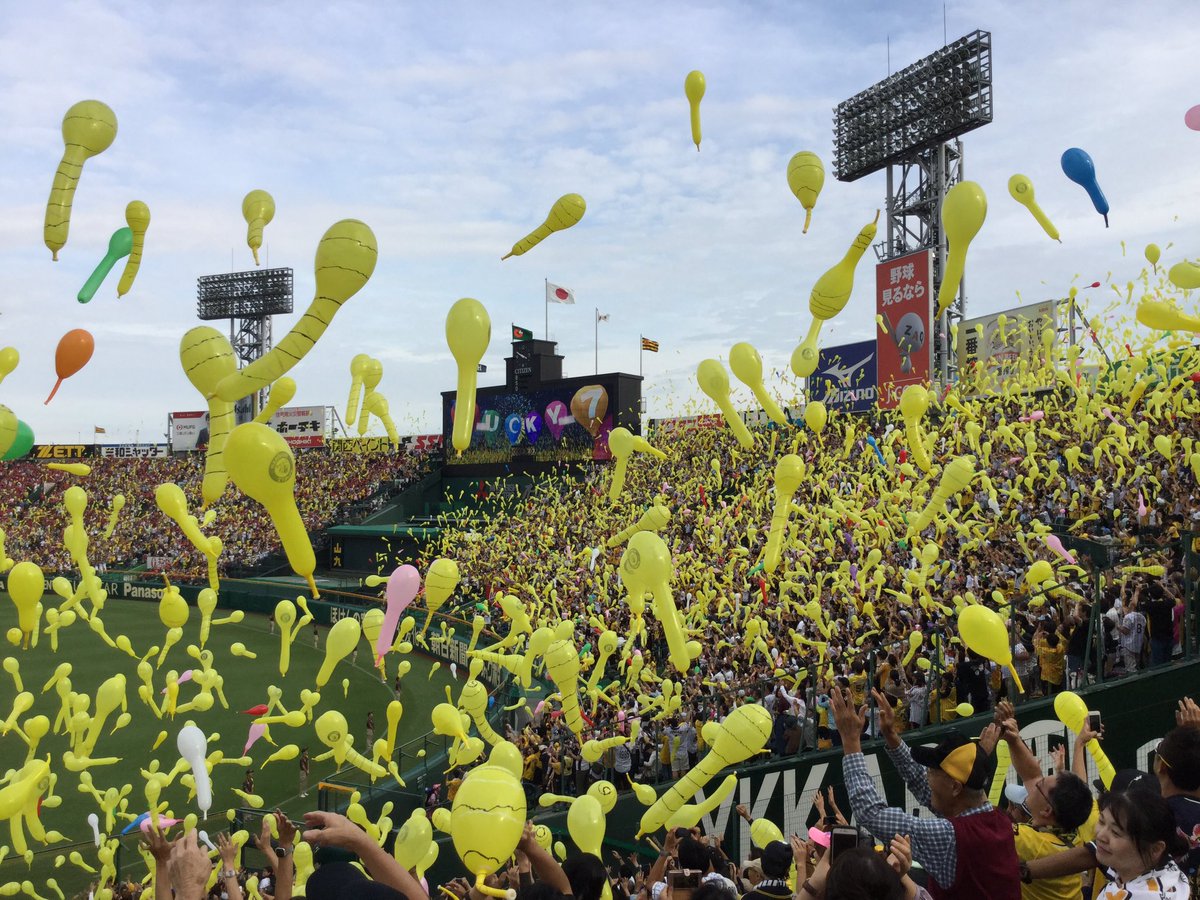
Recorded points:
1078,166
513,428
136,823
875,447
533,426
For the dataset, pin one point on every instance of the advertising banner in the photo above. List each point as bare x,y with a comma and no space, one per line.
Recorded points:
133,451
995,349
189,431
903,301
62,451
410,443
301,426
845,377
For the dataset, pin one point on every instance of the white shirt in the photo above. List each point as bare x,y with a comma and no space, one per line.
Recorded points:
1166,883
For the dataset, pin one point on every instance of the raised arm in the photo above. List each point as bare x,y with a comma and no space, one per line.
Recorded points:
543,864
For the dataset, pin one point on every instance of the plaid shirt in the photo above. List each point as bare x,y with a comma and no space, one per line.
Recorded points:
933,841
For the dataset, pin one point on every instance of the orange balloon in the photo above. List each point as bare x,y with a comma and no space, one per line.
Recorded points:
74,350
589,406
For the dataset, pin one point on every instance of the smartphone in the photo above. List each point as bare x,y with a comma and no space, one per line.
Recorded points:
1094,720
683,882
686,879
841,837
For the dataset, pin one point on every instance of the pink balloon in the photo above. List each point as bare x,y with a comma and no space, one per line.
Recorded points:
163,822
1055,544
186,676
1191,118
256,731
1036,416
1141,506
402,587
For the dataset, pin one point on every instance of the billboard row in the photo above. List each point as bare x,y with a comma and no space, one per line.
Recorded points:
845,379
903,302
301,426
995,349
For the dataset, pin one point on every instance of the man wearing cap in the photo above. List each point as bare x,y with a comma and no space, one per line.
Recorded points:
968,851
776,862
1062,813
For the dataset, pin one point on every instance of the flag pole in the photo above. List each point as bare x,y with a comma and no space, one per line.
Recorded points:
546,301
597,345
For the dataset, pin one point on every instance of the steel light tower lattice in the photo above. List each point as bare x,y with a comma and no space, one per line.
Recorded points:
247,300
910,124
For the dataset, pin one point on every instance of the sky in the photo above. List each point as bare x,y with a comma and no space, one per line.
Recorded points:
450,129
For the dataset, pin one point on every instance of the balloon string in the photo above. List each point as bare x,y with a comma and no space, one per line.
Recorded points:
57,385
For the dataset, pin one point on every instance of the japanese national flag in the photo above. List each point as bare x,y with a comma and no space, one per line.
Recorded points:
558,294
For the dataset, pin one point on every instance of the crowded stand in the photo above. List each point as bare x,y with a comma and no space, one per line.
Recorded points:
899,616
330,485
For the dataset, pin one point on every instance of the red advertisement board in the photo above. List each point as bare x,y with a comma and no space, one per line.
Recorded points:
903,301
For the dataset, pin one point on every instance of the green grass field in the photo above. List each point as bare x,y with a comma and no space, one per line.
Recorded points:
245,685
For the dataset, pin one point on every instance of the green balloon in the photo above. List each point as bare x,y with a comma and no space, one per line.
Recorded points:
120,245
21,444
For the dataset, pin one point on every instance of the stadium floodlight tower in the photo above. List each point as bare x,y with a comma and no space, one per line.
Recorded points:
910,124
247,300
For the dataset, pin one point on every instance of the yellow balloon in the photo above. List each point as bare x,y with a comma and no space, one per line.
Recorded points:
88,128
173,610
566,211
828,298
468,333
764,832
965,710
983,631
789,472
963,212
956,476
342,639
653,519
412,840
1040,571
1072,712
137,216
1021,190
744,732
711,377
487,819
914,402
806,177
506,755
344,262
26,585
815,416
585,824
8,428
646,569
282,392
258,209
1163,316
748,369
207,357
693,88
1184,275
263,467
10,358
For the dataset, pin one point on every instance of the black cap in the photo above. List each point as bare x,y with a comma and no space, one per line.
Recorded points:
776,860
1130,780
960,758
336,880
